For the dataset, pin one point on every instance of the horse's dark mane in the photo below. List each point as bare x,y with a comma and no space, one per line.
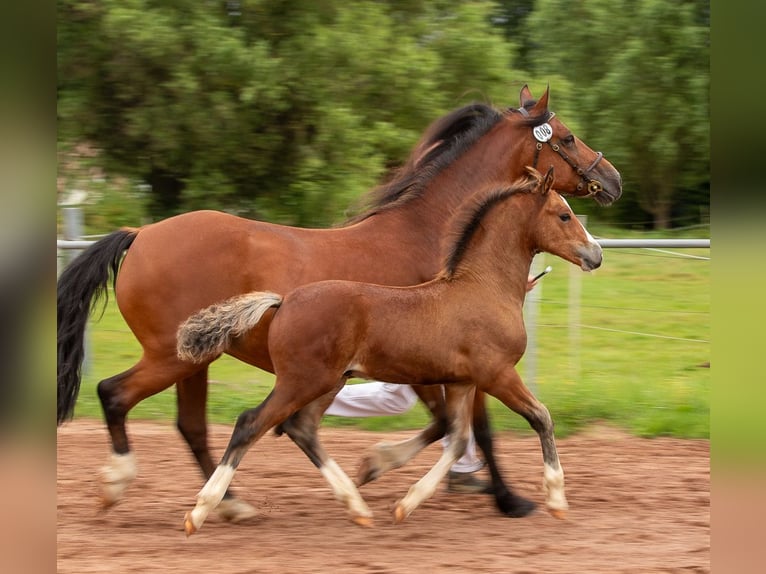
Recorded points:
470,220
444,141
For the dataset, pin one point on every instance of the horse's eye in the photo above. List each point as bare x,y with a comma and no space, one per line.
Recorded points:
568,140
565,217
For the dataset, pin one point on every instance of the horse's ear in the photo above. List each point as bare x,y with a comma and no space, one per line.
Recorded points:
542,104
525,95
548,181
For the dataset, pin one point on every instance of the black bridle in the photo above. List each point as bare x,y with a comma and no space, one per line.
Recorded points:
594,185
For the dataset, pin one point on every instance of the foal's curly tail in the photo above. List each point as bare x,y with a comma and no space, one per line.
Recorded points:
208,333
78,289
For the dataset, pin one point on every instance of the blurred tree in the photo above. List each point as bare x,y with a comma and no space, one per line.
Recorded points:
640,72
279,109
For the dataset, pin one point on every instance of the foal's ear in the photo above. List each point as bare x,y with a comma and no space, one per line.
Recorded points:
548,180
525,95
542,104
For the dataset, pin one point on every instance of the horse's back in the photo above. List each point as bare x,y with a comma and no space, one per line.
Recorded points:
183,263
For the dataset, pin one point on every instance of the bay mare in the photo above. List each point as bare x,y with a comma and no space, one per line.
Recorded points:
179,265
464,330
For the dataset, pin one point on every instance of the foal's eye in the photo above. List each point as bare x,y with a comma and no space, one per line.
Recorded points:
565,217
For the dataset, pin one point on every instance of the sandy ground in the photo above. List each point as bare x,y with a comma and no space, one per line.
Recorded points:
636,505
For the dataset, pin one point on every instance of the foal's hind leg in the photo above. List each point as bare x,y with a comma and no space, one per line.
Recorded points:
192,424
510,389
385,455
459,399
302,427
251,425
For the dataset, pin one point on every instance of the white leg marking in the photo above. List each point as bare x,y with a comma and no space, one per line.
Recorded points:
116,475
344,490
211,494
553,486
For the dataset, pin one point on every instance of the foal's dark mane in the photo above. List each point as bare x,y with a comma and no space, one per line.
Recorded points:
469,221
450,137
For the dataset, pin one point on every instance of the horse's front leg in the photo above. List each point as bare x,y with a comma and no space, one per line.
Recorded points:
506,500
459,398
191,421
510,389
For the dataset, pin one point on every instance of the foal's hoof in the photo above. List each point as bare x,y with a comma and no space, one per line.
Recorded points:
514,506
189,527
558,513
363,521
400,514
105,503
367,472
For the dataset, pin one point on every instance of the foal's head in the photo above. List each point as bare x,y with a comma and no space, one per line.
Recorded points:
556,230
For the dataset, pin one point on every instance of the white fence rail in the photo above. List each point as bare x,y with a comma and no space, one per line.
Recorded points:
531,310
610,243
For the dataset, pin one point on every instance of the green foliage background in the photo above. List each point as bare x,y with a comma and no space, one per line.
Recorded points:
288,110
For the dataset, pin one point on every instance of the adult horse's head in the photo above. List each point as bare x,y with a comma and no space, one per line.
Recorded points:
558,231
580,171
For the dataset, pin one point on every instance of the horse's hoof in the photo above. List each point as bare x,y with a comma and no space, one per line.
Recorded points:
558,513
363,521
515,506
235,510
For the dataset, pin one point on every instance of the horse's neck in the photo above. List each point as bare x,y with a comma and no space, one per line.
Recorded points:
485,164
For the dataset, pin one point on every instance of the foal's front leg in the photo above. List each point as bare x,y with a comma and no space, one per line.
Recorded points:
386,455
510,389
459,398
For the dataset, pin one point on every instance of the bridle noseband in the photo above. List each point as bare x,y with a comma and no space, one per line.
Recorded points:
543,134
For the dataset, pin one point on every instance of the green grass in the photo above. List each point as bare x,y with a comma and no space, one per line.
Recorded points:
635,363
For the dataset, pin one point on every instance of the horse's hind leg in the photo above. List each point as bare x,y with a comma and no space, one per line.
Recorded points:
385,455
506,500
119,394
302,427
459,399
192,424
510,389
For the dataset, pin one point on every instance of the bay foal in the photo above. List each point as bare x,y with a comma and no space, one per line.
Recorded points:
463,329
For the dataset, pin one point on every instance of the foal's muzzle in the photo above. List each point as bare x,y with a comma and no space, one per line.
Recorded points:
590,257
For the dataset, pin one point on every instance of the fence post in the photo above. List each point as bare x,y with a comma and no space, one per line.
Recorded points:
73,231
575,295
531,318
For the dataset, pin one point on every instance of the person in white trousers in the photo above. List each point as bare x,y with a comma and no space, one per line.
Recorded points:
376,398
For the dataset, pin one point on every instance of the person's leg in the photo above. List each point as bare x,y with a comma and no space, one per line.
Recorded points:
470,461
375,398
372,399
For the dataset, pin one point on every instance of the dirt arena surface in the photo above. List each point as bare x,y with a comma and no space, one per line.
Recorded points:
636,505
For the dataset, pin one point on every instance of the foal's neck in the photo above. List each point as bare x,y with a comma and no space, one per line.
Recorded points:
500,255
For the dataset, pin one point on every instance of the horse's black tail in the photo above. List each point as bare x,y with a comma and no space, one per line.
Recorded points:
80,286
